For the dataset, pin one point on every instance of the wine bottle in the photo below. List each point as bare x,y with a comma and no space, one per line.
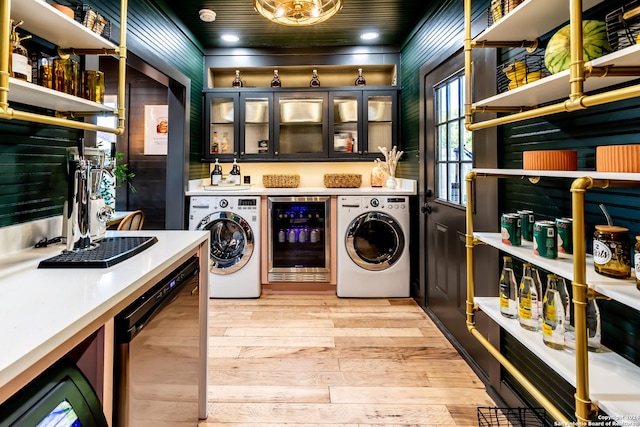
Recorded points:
216,174
553,319
215,144
19,66
315,81
528,300
360,81
508,290
235,172
237,82
275,82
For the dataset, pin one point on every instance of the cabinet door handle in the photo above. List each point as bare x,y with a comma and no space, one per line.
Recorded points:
242,153
276,153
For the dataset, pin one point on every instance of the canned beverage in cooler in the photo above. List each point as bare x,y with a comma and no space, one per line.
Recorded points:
528,219
565,235
510,229
545,239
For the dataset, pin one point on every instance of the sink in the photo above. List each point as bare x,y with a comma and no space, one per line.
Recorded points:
105,253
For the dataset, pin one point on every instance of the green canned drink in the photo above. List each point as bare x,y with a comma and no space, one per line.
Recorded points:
510,229
527,224
565,235
545,239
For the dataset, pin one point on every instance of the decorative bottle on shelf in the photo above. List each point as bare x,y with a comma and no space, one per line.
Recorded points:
235,172
535,273
360,81
215,143
216,174
508,290
566,302
553,319
593,325
315,81
528,300
237,82
19,61
224,144
275,82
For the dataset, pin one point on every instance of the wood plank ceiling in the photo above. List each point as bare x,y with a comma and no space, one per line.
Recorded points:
392,19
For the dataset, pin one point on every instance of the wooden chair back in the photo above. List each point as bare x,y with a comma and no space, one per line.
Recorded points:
133,221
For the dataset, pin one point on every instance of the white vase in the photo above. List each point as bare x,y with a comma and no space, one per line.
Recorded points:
391,182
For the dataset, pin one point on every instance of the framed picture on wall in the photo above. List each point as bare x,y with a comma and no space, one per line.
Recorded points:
156,129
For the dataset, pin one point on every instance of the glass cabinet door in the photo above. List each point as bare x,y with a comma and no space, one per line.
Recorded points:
345,118
256,117
302,123
381,114
222,111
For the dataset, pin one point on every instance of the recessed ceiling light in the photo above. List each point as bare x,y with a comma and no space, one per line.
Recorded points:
369,36
207,15
230,38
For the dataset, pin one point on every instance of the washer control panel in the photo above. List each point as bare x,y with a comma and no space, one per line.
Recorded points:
384,202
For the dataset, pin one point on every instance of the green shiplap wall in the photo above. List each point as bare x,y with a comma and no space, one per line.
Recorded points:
33,175
440,35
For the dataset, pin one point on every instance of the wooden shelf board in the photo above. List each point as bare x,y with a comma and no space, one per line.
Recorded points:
530,20
613,380
40,96
43,20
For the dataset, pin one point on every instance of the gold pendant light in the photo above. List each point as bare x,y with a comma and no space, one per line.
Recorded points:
297,12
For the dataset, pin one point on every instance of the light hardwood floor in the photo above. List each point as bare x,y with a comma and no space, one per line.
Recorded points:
310,360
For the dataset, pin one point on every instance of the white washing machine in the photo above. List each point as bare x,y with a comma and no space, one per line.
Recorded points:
234,223
373,246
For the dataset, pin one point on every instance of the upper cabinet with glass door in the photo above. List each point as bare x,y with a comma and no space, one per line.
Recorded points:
221,130
381,124
301,130
256,130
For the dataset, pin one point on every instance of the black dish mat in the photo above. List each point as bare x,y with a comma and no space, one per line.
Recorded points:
107,252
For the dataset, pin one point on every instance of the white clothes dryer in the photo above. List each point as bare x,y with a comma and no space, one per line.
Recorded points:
373,246
234,263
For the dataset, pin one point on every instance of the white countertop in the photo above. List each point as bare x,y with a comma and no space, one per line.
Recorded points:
201,187
40,309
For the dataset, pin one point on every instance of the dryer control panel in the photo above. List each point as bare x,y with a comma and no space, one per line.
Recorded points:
385,202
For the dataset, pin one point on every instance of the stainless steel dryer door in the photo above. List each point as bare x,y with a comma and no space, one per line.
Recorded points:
374,241
231,240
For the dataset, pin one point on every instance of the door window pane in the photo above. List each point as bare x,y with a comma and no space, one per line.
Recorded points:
454,144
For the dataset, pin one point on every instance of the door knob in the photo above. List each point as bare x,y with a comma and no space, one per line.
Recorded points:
428,193
426,209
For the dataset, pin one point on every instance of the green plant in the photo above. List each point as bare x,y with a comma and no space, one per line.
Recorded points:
120,176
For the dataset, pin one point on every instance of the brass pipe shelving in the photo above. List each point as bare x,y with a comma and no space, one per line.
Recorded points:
9,113
585,409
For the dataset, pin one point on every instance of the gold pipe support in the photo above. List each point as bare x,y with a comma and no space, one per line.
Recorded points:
611,71
500,109
5,30
576,67
11,114
468,72
469,244
535,393
584,406
524,44
122,66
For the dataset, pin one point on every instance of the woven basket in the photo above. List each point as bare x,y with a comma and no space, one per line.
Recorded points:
342,180
280,181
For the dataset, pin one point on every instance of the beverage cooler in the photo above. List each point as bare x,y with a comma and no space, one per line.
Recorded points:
298,239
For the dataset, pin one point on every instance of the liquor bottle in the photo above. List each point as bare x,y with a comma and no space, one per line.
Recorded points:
224,144
535,273
528,300
215,143
508,290
566,302
216,174
593,325
235,172
275,82
349,146
553,320
237,82
19,61
315,81
360,81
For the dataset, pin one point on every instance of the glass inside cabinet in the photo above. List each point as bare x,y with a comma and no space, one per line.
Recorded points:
346,119
222,119
380,118
302,123
257,120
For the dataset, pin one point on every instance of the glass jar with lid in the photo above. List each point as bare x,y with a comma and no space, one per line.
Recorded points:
612,251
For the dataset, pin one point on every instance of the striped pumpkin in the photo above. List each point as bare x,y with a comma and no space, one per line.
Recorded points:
557,56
